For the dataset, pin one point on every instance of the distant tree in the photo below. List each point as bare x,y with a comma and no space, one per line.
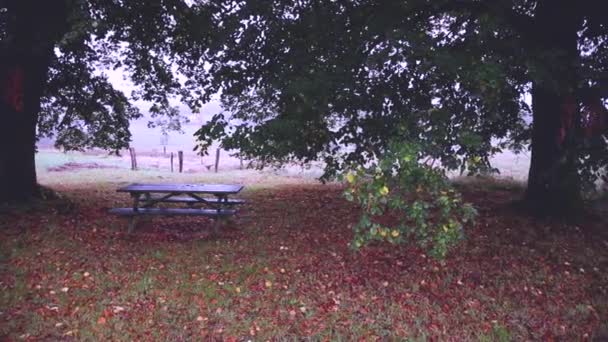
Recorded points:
51,54
338,80
167,119
164,139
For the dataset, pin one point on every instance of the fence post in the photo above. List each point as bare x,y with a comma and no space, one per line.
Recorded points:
180,157
133,158
171,161
217,159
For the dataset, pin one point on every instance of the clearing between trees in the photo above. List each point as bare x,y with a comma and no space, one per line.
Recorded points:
283,268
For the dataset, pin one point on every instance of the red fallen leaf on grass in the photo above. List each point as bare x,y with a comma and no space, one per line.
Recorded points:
511,266
107,313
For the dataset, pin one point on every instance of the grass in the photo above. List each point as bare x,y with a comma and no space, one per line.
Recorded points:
283,270
117,170
490,183
47,159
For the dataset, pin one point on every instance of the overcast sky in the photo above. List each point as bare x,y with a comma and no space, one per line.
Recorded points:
122,83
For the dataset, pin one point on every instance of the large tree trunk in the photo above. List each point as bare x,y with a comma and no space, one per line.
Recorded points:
32,29
553,181
22,86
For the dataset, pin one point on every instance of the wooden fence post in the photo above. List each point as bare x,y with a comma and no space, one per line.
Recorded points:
217,159
133,158
180,157
171,161
241,162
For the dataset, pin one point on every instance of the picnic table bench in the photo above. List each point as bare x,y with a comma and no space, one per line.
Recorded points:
147,196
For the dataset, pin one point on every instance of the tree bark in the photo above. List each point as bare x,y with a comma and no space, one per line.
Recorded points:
553,181
32,30
18,133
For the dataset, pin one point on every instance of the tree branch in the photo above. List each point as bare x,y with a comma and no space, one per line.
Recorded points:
519,22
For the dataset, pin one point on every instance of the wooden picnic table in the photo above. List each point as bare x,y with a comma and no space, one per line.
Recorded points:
147,196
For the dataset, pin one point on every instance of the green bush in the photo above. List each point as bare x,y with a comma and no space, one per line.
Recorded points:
403,199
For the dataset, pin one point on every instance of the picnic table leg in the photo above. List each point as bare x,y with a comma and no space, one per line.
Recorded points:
135,217
218,219
224,201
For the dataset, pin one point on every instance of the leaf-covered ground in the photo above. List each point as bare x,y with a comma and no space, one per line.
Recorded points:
282,269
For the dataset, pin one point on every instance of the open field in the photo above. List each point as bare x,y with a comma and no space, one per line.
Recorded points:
53,165
148,142
283,269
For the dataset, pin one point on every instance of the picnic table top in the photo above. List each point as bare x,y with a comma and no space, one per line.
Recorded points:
219,189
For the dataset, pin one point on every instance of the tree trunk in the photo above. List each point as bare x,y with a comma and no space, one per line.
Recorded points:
553,181
19,109
25,56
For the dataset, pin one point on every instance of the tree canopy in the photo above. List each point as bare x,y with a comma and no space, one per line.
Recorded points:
319,80
149,41
52,60
338,80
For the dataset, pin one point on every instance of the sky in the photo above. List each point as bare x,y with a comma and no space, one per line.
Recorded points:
121,82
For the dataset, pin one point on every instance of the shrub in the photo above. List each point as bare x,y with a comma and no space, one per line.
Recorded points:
403,199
